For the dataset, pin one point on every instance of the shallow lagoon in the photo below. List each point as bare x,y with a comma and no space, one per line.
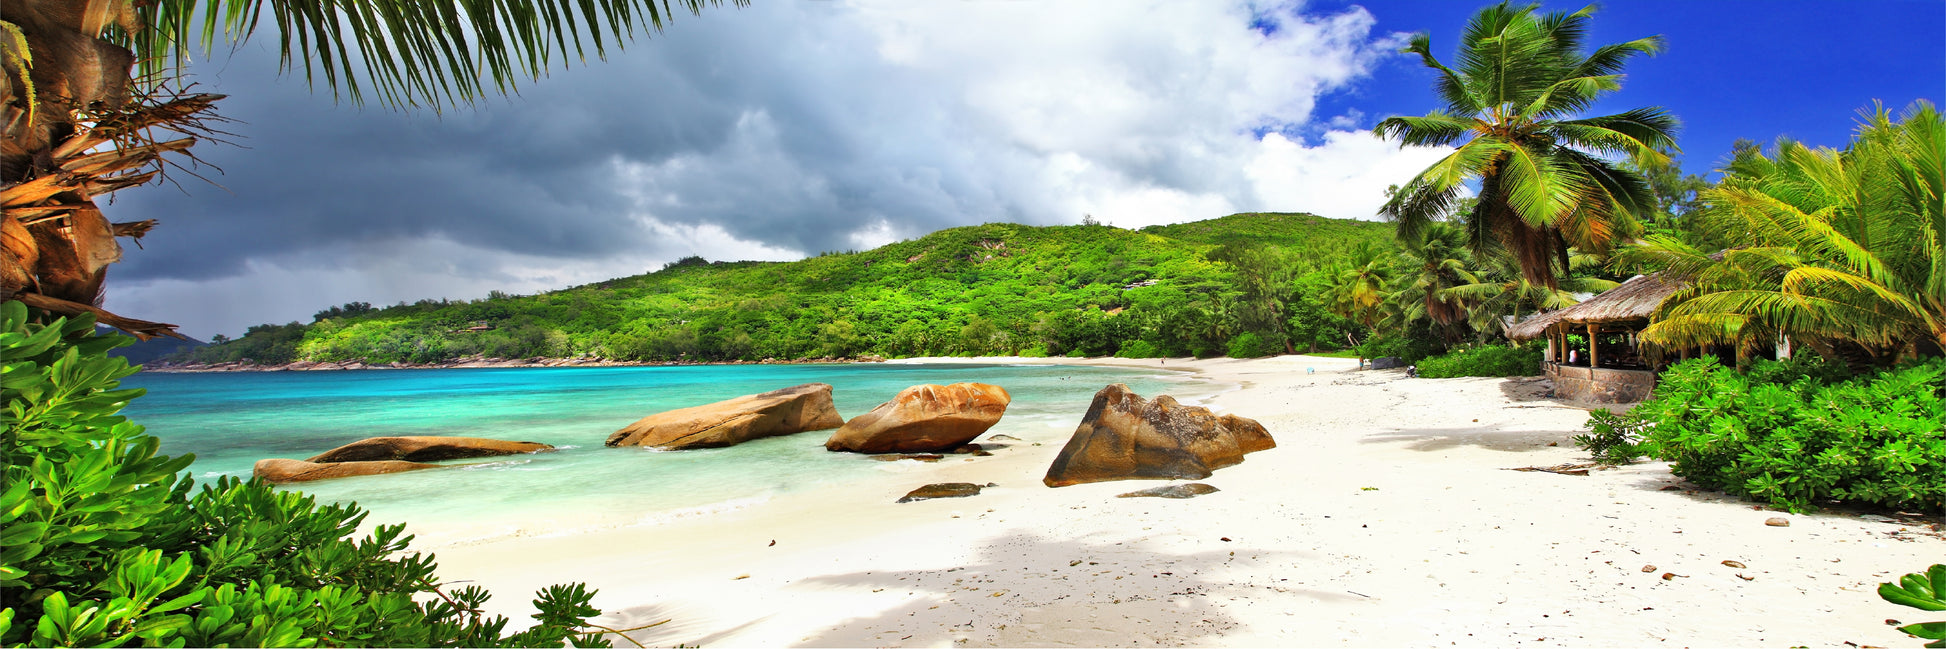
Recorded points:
231,420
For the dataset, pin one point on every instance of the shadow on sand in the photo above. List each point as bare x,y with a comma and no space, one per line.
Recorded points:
1440,439
1085,594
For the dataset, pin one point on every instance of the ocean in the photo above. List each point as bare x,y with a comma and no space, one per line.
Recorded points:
231,420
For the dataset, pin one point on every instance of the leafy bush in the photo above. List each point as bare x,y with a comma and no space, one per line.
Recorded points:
1409,350
1925,591
1492,360
1250,345
1612,439
102,543
1872,439
1139,349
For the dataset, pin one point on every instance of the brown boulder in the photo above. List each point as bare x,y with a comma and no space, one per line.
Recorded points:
425,449
942,490
779,412
279,470
1251,436
924,419
1124,437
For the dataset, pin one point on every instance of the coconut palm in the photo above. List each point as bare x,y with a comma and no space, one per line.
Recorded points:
90,98
1838,247
1359,288
1499,292
1431,263
1544,176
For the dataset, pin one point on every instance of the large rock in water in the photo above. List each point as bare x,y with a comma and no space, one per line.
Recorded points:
779,412
1124,437
425,449
924,419
280,470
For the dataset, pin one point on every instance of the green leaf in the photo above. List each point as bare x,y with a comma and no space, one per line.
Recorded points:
1927,630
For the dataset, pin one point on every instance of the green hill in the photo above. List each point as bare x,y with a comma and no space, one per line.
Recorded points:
987,289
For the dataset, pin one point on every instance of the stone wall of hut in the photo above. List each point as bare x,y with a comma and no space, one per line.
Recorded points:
1600,385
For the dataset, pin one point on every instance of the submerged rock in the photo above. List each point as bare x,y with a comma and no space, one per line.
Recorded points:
924,419
779,412
922,457
1186,490
425,449
1124,437
280,471
943,490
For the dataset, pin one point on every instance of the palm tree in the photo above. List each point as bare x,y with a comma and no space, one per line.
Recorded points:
1435,261
1359,289
1838,248
1544,184
1499,291
90,98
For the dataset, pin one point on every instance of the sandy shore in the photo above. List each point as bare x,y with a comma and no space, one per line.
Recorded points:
1385,517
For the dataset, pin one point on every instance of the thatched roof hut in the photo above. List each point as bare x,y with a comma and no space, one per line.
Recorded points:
1634,300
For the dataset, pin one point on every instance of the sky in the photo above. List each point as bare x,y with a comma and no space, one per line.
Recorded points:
788,128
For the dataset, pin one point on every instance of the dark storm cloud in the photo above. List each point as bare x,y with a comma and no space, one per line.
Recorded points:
764,132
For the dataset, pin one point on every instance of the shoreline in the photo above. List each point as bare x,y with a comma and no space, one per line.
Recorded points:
1385,517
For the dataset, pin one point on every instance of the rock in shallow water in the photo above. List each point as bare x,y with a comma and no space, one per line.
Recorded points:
942,490
425,449
924,419
1124,437
1188,490
779,412
279,471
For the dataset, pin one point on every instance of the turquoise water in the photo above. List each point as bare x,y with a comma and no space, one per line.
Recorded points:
231,420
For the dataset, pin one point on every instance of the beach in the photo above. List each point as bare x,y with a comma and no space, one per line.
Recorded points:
1386,516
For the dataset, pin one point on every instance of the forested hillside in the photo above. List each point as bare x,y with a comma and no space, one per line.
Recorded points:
1195,288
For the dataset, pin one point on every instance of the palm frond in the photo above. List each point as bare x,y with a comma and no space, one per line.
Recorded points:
406,52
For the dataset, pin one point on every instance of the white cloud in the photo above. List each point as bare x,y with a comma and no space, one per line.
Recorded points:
1345,177
777,130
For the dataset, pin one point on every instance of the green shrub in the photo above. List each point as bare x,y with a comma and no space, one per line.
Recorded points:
1139,349
1037,351
1925,591
1872,439
1492,360
1612,439
103,543
1249,345
1408,350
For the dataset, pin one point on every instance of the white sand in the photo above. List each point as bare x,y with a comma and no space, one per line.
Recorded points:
1384,518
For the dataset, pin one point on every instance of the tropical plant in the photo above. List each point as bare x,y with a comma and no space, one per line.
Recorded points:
80,75
1431,263
1925,591
103,543
1793,434
1841,250
1612,439
1360,287
1544,181
1498,292
1486,360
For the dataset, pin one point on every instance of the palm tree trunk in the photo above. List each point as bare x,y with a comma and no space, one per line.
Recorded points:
58,243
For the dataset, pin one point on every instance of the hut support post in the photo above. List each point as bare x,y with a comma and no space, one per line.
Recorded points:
1594,347
1549,354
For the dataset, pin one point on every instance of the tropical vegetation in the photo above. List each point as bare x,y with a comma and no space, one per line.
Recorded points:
103,542
1093,290
1799,433
1543,172
1843,251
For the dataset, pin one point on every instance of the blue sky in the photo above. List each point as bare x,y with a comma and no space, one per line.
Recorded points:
792,127
1732,68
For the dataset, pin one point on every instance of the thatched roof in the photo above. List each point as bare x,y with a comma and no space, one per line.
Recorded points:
1635,299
